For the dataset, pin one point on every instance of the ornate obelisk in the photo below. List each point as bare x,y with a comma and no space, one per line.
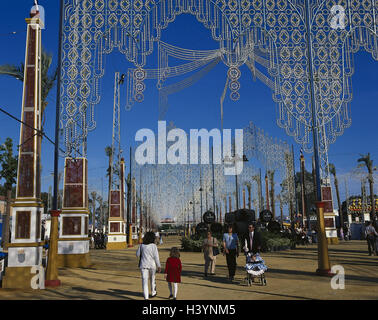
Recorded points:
73,241
117,225
329,215
25,247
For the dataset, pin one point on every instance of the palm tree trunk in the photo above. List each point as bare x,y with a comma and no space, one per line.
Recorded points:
259,186
272,202
94,197
249,197
371,184
291,210
267,193
339,203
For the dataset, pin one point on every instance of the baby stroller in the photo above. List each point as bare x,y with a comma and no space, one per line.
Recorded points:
255,268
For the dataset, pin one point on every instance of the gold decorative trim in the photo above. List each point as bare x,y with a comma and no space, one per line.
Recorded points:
74,239
31,244
27,205
333,240
81,260
116,245
75,208
35,20
17,278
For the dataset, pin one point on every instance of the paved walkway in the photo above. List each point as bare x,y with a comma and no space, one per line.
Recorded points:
291,275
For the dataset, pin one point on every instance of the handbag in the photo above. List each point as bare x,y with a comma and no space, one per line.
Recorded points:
140,256
215,250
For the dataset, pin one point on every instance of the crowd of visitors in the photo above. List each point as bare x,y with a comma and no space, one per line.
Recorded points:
232,244
98,239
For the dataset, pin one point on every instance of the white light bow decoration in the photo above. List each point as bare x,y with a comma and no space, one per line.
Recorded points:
171,190
94,28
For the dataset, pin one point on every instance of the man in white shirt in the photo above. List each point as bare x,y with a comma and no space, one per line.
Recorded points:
148,263
252,241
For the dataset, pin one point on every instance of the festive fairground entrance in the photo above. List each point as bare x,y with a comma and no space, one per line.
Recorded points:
301,49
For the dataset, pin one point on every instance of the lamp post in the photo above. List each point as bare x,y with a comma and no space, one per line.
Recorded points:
212,165
128,220
323,257
52,267
303,190
200,190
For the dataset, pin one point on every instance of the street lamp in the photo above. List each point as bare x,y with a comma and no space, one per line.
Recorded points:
200,190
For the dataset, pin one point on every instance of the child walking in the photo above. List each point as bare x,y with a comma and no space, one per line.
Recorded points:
173,269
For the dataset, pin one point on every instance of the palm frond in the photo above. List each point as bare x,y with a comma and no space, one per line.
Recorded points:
332,169
13,71
47,81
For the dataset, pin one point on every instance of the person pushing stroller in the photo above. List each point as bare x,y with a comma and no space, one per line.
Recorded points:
255,265
252,240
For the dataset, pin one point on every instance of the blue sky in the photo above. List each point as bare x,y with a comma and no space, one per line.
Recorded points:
195,107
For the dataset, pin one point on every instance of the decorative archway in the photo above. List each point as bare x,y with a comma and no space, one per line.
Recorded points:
93,28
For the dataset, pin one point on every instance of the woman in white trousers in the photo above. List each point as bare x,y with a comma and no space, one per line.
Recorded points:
148,263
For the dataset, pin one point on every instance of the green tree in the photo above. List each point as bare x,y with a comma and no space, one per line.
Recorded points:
368,163
310,191
3,191
48,77
45,198
8,172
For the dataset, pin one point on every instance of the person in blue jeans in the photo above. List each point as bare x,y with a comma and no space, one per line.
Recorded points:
231,250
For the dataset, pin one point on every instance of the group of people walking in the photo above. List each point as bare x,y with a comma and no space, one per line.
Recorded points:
149,262
98,239
251,244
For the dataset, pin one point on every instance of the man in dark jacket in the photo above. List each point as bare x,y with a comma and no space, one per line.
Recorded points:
370,235
375,226
252,240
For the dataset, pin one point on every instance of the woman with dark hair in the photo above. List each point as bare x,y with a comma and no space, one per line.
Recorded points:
231,250
148,263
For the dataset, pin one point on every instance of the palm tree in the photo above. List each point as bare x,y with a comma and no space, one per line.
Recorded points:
95,198
8,172
259,191
47,79
332,170
368,163
290,186
272,199
249,186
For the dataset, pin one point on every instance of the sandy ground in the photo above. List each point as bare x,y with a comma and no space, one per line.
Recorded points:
290,276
